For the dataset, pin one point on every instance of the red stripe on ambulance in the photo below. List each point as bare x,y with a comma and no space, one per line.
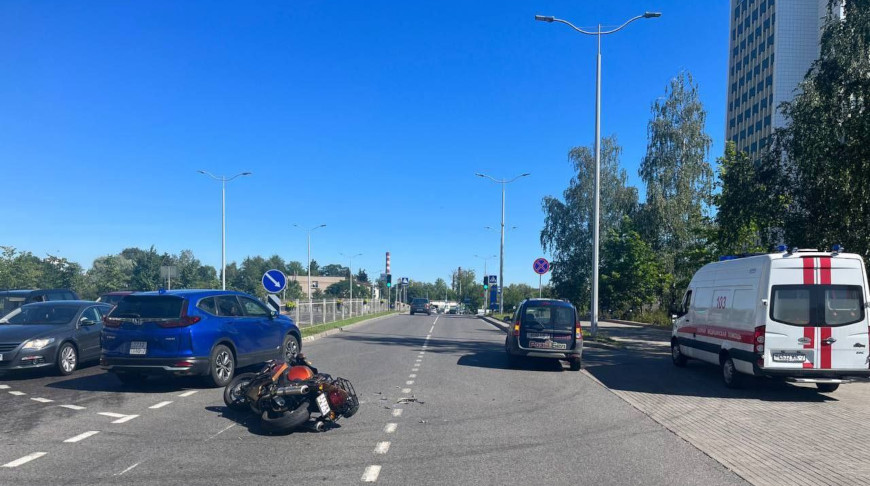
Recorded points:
825,348
809,271
810,334
825,270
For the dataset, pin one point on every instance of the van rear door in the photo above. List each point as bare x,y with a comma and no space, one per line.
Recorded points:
817,317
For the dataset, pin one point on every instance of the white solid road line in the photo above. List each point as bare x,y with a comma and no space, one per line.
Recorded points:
371,474
435,321
382,447
406,390
390,428
188,393
128,469
72,407
41,400
82,436
160,405
397,412
25,459
17,393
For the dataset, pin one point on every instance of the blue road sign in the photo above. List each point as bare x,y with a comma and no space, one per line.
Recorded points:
404,280
274,281
541,266
493,279
493,295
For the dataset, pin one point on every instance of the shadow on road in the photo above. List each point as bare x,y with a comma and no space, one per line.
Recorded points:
495,358
645,366
250,421
108,382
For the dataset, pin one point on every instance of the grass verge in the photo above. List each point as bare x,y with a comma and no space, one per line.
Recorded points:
602,337
317,329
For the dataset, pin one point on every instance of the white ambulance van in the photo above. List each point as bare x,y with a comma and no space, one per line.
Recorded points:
799,315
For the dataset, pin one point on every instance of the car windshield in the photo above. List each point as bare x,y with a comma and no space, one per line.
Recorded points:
111,298
545,315
40,314
148,307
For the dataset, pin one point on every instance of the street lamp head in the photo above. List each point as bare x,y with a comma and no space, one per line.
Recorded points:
545,18
246,173
201,171
321,226
526,174
478,174
650,15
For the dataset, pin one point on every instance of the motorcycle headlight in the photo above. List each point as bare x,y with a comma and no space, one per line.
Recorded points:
37,344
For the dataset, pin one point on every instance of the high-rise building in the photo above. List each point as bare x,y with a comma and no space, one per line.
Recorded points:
773,43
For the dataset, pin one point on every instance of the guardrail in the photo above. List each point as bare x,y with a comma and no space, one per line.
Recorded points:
323,311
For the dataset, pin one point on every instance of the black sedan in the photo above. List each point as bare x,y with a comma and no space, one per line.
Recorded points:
59,334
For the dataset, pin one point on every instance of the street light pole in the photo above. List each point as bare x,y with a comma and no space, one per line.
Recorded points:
595,204
223,180
309,260
503,182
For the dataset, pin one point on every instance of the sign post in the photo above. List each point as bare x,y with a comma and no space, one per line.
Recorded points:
541,266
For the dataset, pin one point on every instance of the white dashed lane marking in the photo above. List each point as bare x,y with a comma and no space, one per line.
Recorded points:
412,375
72,407
124,419
41,400
390,428
371,474
188,393
409,382
382,447
25,459
17,394
128,469
120,416
160,405
82,436
4,387
397,412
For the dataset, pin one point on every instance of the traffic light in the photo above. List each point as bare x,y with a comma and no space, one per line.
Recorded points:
485,282
389,280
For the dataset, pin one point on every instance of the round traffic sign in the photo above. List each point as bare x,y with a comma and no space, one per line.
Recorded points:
274,281
541,266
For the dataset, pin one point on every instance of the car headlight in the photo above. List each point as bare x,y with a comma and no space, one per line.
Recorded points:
37,344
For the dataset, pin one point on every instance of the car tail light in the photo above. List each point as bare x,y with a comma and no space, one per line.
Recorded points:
758,339
578,333
183,364
517,328
109,322
183,321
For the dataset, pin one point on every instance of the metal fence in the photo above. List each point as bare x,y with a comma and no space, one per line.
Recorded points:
323,311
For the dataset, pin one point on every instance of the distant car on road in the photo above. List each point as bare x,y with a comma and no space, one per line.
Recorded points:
12,299
113,298
420,306
59,334
207,333
545,328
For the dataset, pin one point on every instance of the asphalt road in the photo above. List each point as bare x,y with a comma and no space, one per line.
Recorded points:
470,420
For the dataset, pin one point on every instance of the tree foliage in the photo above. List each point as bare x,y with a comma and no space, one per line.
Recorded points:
567,232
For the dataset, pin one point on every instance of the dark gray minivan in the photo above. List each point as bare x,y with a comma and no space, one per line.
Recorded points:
13,299
545,328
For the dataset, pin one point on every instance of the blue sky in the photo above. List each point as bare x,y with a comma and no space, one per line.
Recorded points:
371,117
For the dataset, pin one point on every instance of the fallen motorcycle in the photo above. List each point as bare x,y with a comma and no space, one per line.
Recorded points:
292,395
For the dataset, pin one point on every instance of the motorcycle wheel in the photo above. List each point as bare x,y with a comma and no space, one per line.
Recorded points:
231,392
288,420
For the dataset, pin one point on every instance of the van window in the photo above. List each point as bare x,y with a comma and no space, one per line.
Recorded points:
817,305
687,302
559,317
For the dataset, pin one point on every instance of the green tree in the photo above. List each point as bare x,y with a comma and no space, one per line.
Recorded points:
567,232
823,152
111,273
749,205
333,270
678,178
631,275
342,290
362,276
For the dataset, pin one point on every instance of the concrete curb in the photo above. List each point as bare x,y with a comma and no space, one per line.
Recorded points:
635,323
586,343
330,332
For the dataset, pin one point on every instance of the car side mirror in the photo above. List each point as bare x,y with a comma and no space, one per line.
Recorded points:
273,314
507,318
88,322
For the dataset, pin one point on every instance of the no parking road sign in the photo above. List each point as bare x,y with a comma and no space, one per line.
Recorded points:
541,266
274,281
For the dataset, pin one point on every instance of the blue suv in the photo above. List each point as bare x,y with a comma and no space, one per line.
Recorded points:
193,332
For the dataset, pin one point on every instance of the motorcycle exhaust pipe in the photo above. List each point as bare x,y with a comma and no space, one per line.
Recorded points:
292,390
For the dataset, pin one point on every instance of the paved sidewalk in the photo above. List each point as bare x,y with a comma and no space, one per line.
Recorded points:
769,433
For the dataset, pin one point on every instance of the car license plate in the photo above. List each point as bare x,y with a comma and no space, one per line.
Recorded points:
322,404
138,347
540,345
560,346
538,335
789,357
